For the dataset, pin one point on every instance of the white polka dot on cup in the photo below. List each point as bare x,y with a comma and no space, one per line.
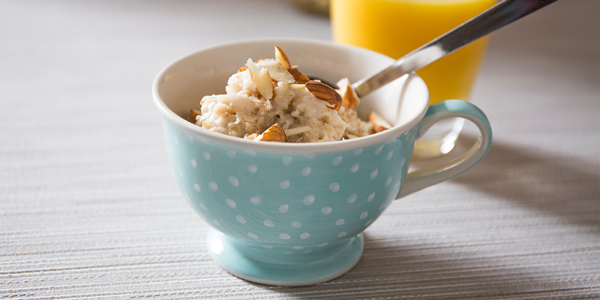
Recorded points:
378,150
255,200
213,186
342,234
206,155
326,210
284,184
334,187
297,247
231,154
305,235
268,223
354,168
388,181
252,168
374,174
296,224
284,208
203,206
364,215
390,154
285,236
371,197
308,200
194,163
268,247
197,187
233,180
231,203
340,222
240,219
287,160
383,206
352,198
306,171
358,151
336,161
253,235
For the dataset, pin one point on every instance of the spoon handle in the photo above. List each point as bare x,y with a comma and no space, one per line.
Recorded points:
490,20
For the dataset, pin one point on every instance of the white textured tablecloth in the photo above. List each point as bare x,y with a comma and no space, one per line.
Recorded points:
89,208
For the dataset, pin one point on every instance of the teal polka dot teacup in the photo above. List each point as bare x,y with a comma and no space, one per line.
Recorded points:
292,214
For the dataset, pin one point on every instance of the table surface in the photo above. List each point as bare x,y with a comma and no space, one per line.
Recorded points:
89,208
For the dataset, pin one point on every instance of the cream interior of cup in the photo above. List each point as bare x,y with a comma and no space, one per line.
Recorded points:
181,86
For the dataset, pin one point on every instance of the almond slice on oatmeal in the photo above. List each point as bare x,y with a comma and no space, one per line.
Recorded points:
349,96
276,70
298,76
379,123
297,130
261,79
252,136
325,93
282,58
273,134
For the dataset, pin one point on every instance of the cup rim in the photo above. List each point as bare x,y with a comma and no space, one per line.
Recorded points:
349,144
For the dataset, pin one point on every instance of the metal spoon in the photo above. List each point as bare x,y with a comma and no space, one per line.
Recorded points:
490,20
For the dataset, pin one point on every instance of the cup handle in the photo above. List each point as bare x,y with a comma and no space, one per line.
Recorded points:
420,179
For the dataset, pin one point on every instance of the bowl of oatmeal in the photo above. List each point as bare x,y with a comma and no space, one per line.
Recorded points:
272,100
285,170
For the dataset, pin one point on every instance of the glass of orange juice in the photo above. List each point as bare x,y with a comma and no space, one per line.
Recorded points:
397,27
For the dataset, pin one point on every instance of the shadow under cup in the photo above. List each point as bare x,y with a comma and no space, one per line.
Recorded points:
287,214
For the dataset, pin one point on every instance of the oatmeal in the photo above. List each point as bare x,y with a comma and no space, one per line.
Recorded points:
271,100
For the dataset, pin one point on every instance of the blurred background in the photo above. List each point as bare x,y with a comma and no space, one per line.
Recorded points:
113,49
89,208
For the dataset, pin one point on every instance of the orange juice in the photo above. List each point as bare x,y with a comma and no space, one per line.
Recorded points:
397,27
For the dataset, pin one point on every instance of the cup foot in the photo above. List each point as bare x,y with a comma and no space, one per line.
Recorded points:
301,272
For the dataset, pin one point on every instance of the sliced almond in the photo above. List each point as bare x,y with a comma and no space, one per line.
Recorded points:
349,97
282,58
242,69
261,79
273,134
325,93
297,86
379,123
194,113
276,70
252,136
297,130
298,76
